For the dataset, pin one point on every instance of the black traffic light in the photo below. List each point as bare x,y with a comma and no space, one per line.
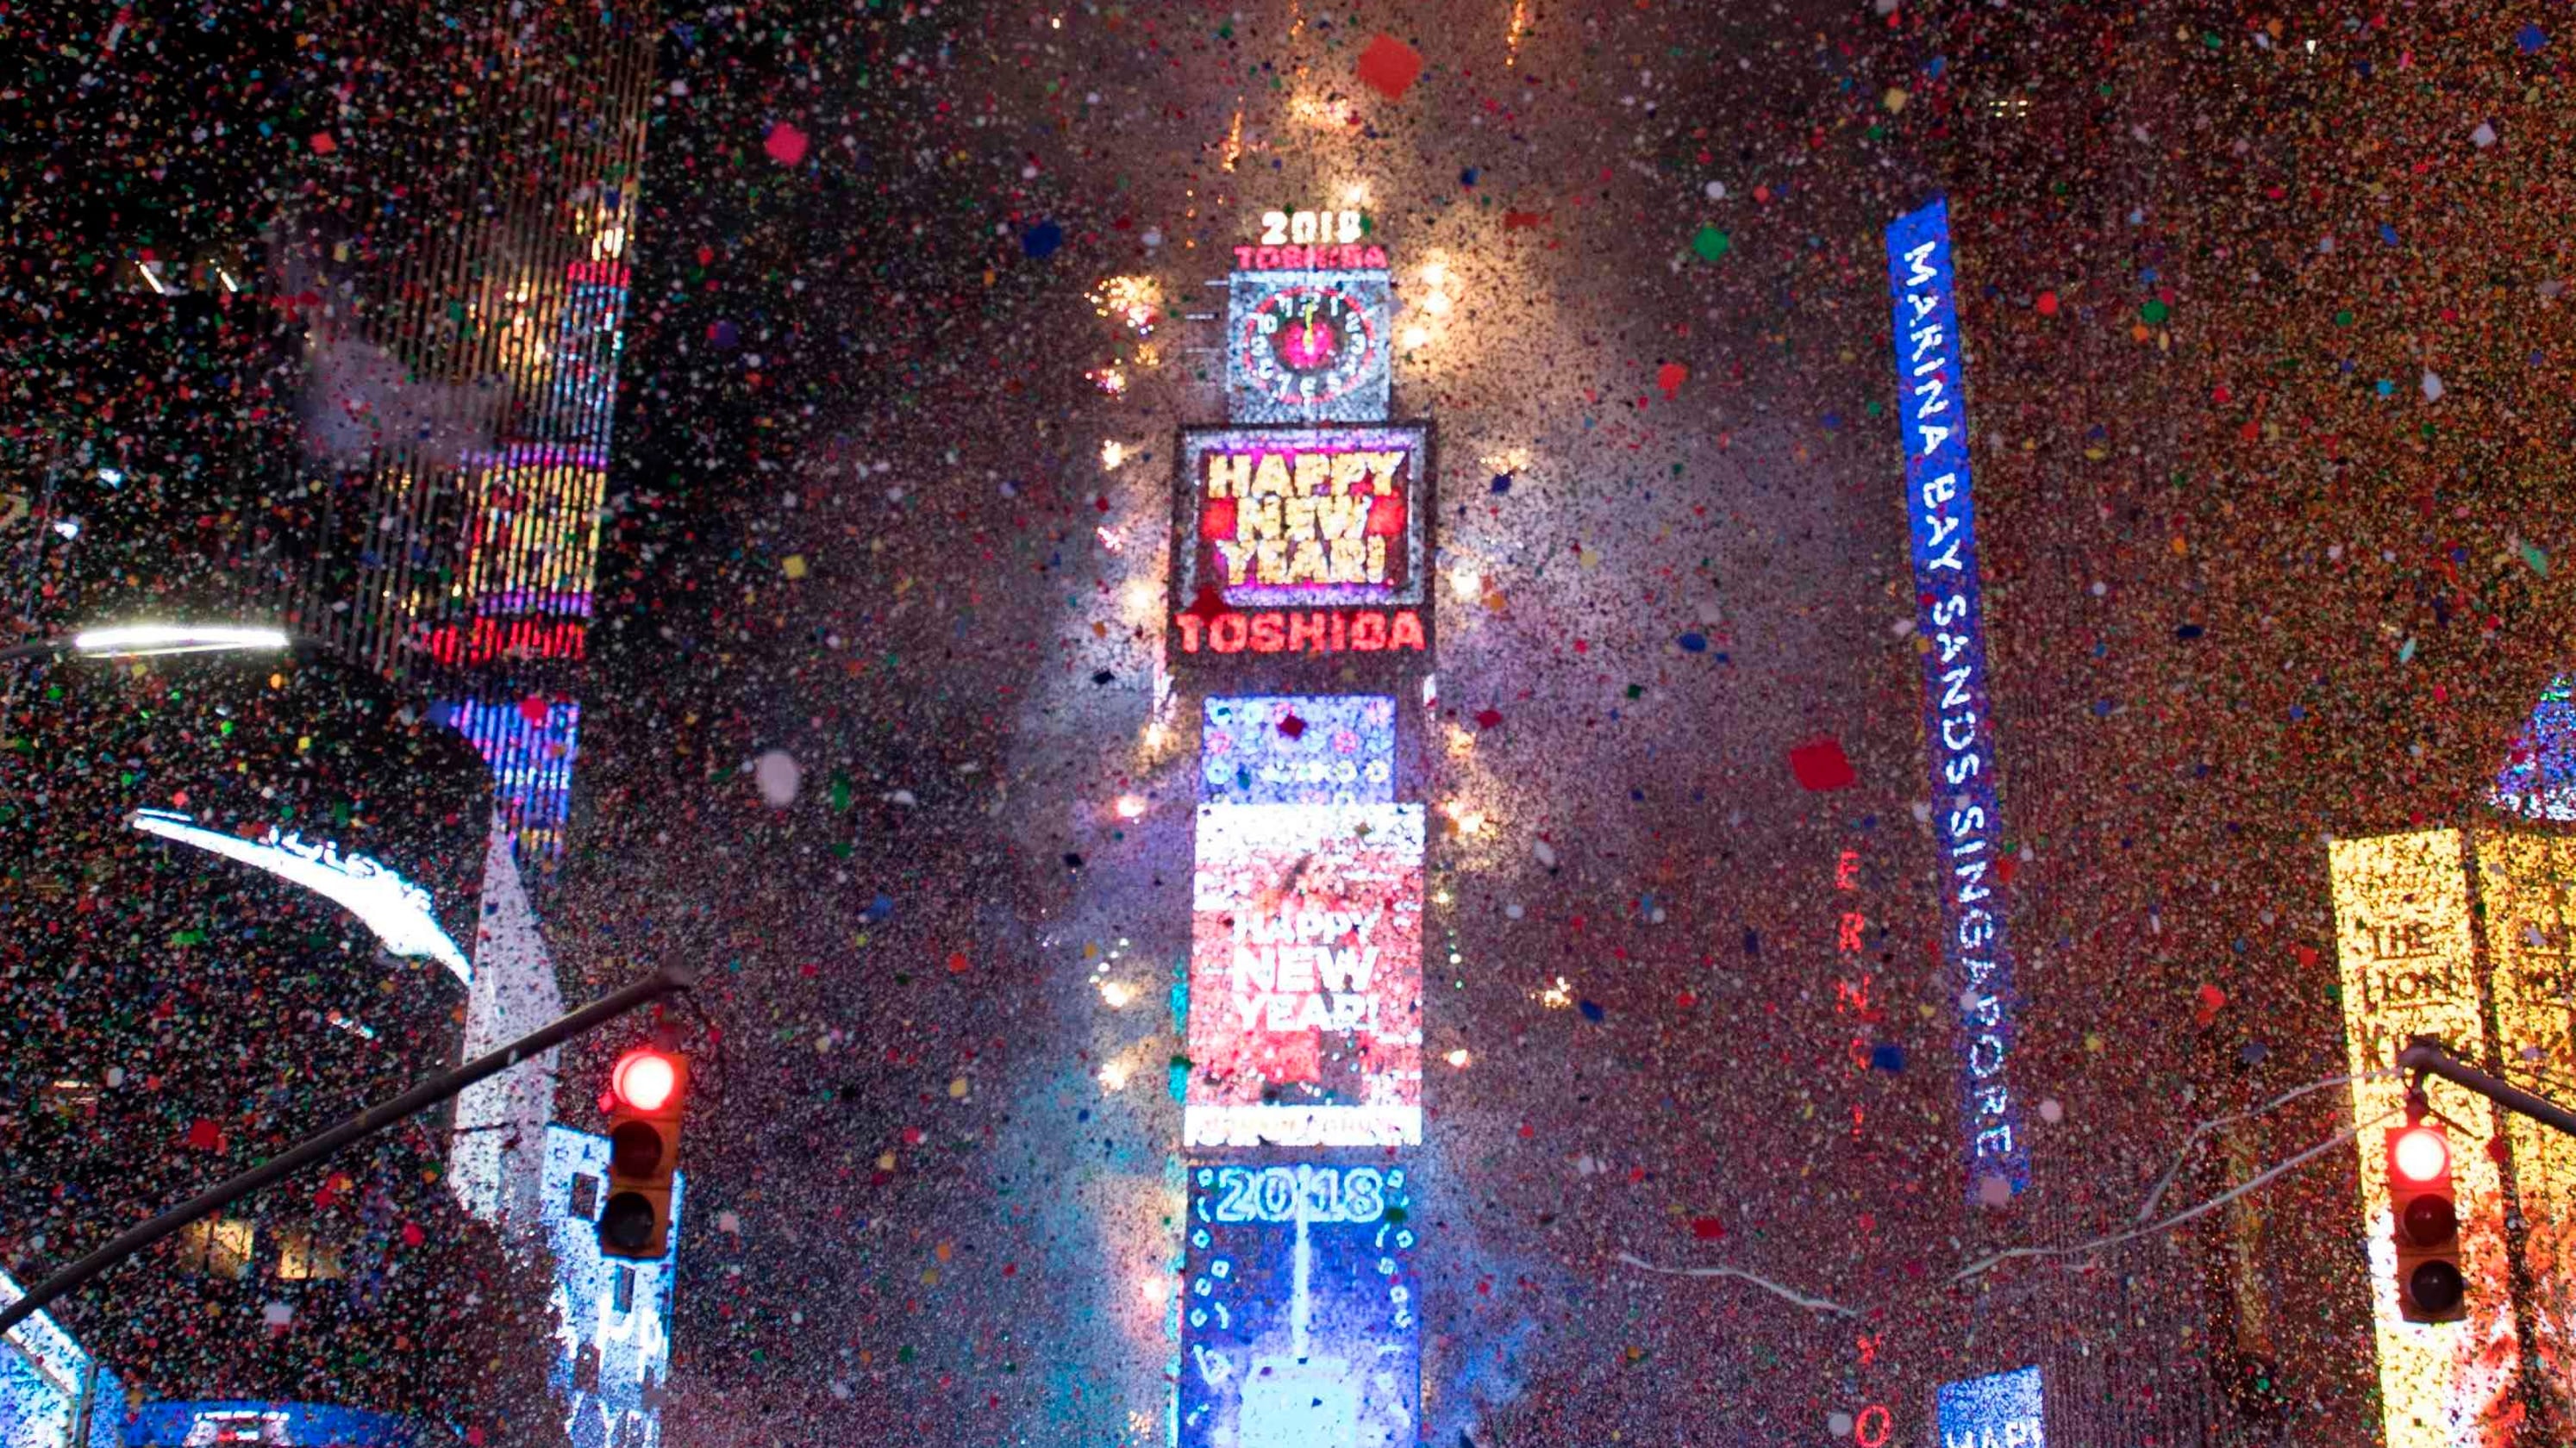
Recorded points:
645,1094
2430,1287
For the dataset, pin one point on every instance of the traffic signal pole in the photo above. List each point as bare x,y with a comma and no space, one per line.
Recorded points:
669,980
2425,1056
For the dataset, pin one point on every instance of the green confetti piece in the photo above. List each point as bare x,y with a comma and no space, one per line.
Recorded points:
1711,243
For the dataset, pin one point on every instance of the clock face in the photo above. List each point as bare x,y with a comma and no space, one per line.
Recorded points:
1309,343
1308,346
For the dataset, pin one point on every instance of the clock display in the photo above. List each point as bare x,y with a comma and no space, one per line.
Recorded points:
1307,346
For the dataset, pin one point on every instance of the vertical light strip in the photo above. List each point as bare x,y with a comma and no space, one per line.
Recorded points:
1959,716
2524,880
2408,967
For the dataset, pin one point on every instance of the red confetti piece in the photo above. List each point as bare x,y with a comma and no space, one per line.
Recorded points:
1708,1229
1821,765
2048,304
1526,220
1670,377
324,144
205,1135
412,1235
1489,718
957,963
1389,66
1293,727
785,144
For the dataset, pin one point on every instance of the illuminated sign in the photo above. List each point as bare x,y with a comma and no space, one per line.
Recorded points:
2406,957
397,910
1311,228
49,1384
1967,817
532,528
1301,1324
530,746
1313,631
1305,340
1270,749
302,1425
2000,1411
613,1318
1303,517
1305,990
2525,884
2538,780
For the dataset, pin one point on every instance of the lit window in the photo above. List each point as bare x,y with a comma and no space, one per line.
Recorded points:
303,1256
626,1289
585,1197
219,1247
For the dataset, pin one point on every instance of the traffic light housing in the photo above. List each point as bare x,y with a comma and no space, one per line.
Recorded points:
646,1091
2430,1284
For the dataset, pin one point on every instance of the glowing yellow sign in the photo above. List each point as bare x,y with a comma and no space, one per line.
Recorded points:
2525,881
2408,963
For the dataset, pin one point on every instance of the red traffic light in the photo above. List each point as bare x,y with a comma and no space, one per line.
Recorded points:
2420,1154
644,1080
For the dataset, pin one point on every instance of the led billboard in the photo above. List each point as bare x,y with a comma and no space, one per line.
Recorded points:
301,1425
2001,1410
1300,1324
2402,944
1305,989
1278,749
1296,540
1959,715
613,1333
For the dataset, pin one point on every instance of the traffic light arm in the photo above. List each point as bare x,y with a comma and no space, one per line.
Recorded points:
669,980
2424,1056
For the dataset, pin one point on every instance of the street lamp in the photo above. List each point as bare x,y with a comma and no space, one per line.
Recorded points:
148,640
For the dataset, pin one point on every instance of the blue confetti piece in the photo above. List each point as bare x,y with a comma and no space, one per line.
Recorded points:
1502,483
1936,66
2531,38
1753,943
1833,422
1591,1012
2388,233
2188,631
1694,643
1887,1056
1041,240
1467,177
881,908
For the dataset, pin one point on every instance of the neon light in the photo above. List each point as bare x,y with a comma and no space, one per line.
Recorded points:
2004,1410
1273,749
2403,947
1957,712
1301,1321
387,904
1305,1000
1304,516
300,1425
1316,631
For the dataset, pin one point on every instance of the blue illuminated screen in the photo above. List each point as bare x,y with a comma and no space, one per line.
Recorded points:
1998,1411
1299,1326
613,1333
1276,749
2538,780
303,1425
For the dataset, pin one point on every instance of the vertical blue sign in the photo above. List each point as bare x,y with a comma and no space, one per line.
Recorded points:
1958,717
2000,1411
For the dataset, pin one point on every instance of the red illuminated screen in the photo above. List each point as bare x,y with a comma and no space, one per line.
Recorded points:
1312,517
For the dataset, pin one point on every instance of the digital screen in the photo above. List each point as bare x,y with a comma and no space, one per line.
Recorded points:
398,911
2000,1411
1304,517
613,1325
532,528
1275,749
2406,959
1305,988
303,1425
44,1374
1959,714
2538,780
1300,1325
530,745
1309,344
